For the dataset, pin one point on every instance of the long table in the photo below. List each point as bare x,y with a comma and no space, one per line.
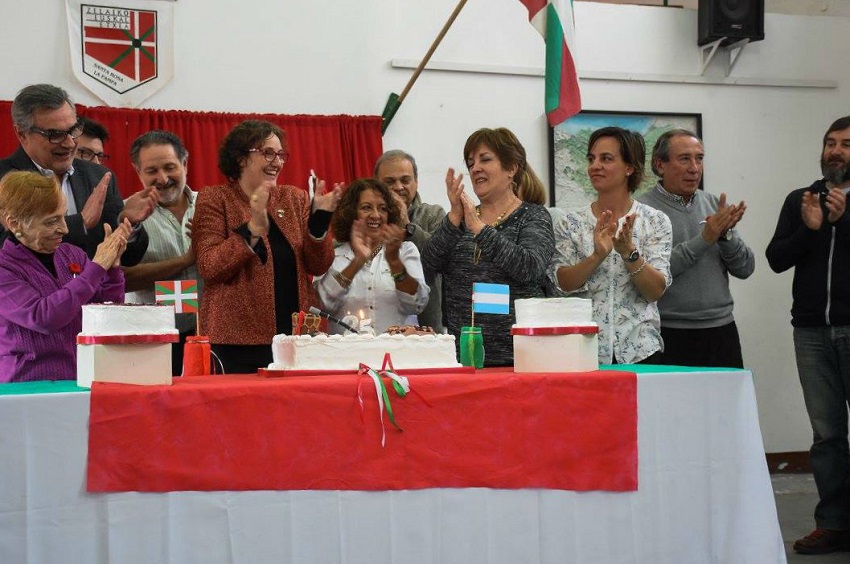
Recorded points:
704,496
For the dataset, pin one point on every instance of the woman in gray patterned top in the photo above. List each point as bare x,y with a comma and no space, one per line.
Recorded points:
503,240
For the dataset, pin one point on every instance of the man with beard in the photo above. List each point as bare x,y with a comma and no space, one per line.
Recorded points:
160,160
398,170
813,236
696,311
47,127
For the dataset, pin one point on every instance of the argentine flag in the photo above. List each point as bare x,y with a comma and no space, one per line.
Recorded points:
491,298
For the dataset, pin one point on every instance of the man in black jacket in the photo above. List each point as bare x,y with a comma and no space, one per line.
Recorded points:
46,124
813,237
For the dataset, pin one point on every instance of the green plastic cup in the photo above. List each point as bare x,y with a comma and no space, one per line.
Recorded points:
471,347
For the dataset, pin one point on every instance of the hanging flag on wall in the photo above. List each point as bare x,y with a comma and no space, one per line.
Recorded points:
182,294
122,50
553,19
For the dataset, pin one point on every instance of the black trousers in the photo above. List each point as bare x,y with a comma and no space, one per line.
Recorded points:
716,346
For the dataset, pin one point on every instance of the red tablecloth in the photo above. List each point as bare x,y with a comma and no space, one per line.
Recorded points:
494,429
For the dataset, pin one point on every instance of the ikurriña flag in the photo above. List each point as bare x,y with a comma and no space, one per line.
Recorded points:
554,20
182,294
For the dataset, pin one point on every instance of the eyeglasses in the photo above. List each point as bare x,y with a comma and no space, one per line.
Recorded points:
57,136
270,154
89,155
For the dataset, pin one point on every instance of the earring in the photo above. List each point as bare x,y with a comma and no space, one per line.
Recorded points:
18,234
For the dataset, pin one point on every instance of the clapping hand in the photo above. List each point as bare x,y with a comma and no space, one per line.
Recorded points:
623,241
603,234
327,199
454,190
725,218
393,237
360,241
108,253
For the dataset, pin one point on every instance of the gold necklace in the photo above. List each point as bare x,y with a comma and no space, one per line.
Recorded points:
375,252
476,252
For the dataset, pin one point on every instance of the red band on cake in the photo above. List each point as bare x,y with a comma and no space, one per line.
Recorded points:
127,339
537,331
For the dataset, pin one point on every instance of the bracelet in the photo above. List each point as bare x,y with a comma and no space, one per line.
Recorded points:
643,264
400,276
343,280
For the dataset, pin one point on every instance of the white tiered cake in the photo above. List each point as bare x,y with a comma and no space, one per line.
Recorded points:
125,343
346,352
555,335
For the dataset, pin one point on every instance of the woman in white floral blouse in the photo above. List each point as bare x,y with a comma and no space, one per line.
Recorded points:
625,284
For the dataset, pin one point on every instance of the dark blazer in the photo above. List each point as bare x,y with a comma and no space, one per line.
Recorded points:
83,181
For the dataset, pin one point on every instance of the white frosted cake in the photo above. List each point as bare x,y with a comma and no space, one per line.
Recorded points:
122,319
555,335
346,352
554,312
128,344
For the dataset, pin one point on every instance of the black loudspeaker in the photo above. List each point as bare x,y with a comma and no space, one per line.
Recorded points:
733,19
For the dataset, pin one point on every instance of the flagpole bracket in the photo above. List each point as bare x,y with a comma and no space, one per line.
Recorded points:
709,50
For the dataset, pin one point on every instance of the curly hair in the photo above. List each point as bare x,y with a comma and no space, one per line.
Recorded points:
632,151
346,212
248,135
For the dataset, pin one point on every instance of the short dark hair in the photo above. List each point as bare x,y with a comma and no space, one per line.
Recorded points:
94,129
248,135
394,155
838,125
632,151
346,212
37,97
661,150
158,137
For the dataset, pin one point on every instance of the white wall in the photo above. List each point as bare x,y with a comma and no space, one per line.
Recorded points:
329,57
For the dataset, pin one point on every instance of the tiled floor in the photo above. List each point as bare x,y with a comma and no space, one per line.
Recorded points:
796,497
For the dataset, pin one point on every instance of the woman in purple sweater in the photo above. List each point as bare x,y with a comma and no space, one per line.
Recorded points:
45,282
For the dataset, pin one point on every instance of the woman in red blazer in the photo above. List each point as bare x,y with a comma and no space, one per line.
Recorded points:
257,244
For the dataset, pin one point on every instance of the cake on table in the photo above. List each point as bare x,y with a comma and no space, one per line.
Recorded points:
555,335
409,347
127,343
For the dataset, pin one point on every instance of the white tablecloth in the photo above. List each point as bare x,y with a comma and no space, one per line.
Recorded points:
704,496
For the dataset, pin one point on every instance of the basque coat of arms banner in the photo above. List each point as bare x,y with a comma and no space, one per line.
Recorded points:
122,50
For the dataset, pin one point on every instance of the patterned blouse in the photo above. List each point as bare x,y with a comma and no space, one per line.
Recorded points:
629,325
515,252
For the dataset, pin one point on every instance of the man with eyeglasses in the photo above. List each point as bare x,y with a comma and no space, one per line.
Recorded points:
90,143
398,170
47,127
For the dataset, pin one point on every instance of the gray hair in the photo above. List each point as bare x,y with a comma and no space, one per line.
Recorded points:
397,154
158,137
37,97
661,151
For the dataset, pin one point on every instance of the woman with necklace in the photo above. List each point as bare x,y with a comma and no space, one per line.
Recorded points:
503,240
375,271
257,244
624,284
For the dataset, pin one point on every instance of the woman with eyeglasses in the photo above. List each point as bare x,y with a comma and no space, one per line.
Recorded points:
44,282
257,244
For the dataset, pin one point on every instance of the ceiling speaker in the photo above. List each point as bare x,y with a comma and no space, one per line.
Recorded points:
733,19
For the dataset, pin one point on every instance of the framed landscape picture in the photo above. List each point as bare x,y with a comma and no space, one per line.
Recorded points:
569,186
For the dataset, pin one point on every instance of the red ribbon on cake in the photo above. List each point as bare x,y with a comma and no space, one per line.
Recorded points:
536,331
127,339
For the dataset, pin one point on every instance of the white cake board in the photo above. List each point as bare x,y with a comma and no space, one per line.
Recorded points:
143,364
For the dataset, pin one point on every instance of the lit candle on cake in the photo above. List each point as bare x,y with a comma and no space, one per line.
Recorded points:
365,324
352,321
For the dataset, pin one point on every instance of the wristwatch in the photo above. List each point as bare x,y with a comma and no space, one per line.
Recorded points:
632,256
727,236
410,229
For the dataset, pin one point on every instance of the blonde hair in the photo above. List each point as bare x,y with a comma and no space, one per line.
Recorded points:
26,195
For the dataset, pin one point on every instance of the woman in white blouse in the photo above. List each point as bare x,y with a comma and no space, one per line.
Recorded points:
626,283
375,272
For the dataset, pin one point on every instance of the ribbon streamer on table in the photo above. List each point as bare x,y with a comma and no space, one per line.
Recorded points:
401,385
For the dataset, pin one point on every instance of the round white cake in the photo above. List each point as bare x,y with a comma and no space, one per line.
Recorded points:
554,312
346,352
123,319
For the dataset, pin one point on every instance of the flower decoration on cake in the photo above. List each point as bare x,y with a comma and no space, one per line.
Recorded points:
74,268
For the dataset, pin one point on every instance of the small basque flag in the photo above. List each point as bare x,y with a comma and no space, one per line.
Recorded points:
491,298
182,294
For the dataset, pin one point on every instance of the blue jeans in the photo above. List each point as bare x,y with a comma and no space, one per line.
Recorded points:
823,363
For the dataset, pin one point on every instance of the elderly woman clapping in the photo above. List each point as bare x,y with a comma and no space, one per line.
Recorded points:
44,282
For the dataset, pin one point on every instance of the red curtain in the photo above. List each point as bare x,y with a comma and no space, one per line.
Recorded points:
339,148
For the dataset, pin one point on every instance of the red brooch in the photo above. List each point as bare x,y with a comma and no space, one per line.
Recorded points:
75,269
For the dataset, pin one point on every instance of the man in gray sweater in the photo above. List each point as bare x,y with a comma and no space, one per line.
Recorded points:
397,169
696,311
